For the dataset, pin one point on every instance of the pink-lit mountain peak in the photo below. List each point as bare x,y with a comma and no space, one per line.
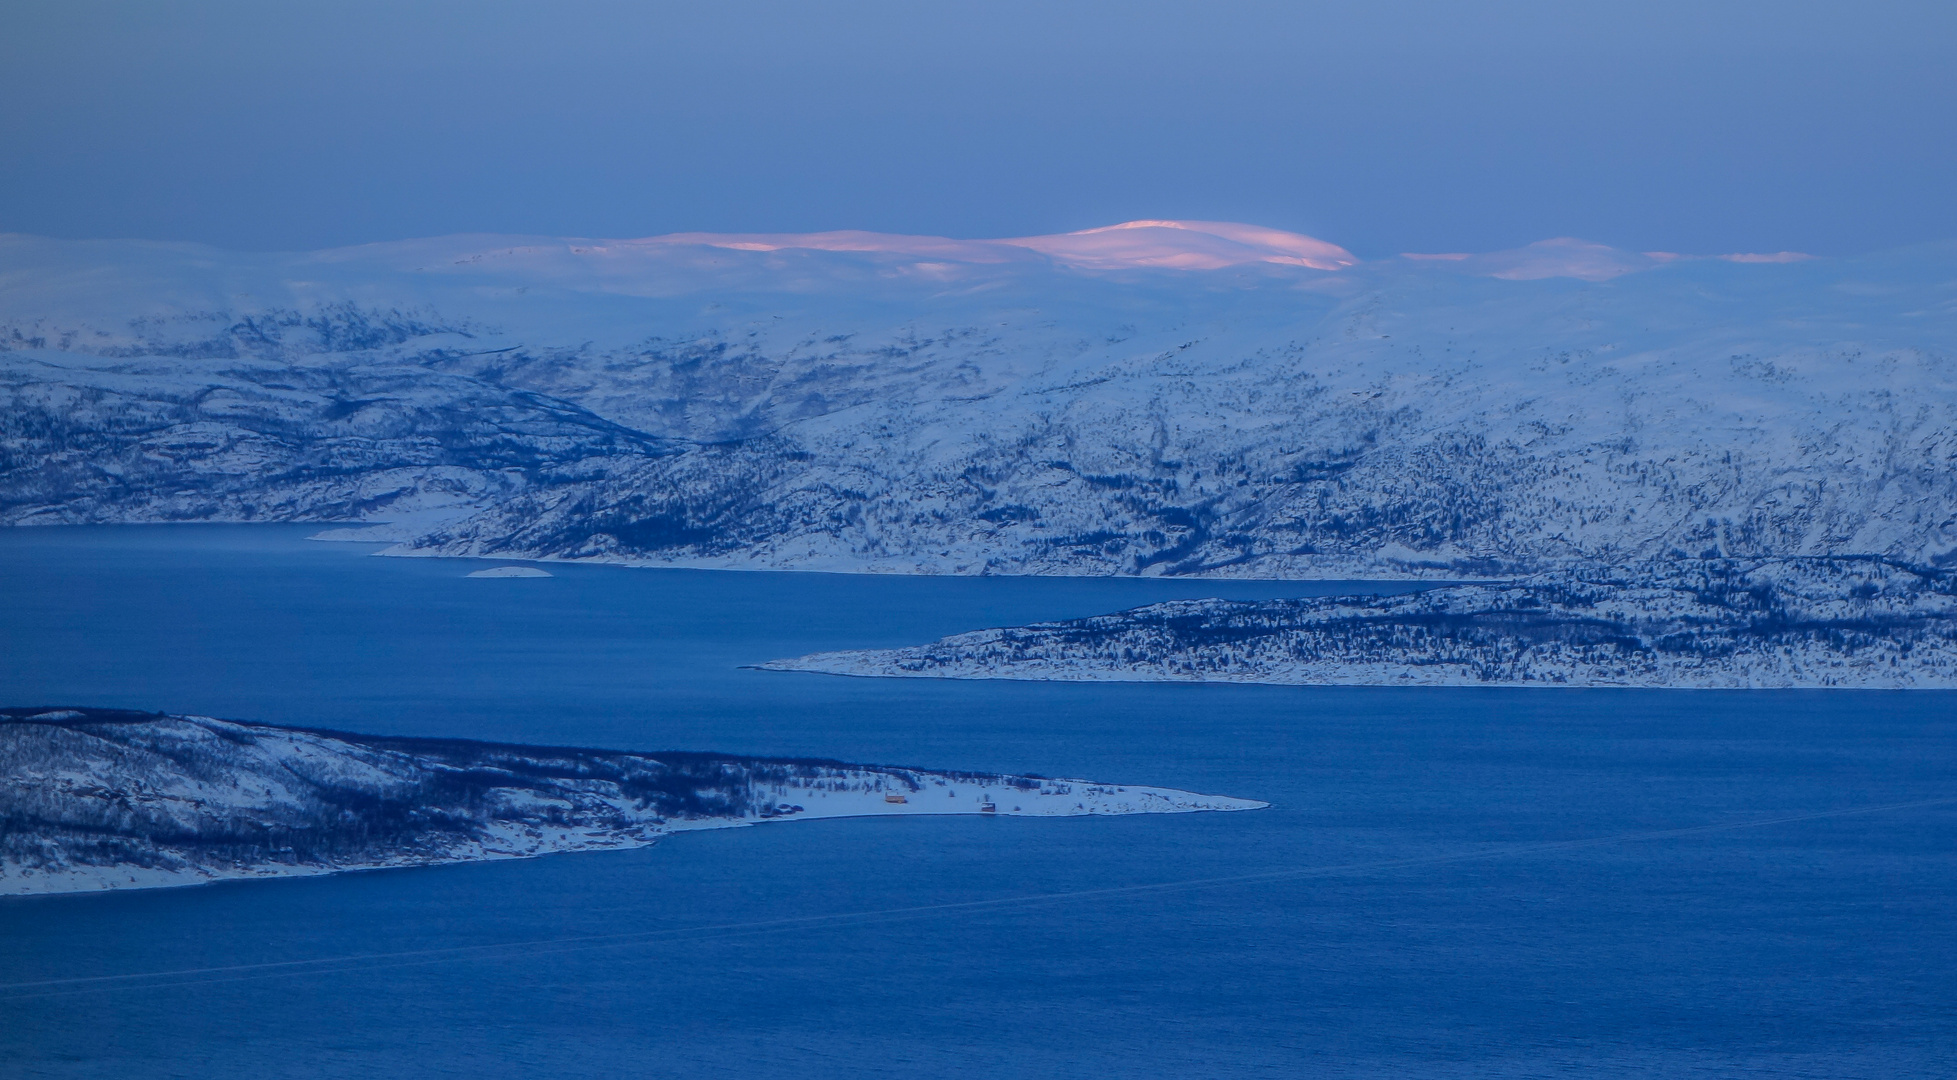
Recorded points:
1178,245
1187,245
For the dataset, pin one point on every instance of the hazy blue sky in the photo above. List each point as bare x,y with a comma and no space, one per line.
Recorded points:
1384,126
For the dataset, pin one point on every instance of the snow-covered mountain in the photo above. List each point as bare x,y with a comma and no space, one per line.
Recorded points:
1160,397
105,799
1719,623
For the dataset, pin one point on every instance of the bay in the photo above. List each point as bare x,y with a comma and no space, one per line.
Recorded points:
1425,928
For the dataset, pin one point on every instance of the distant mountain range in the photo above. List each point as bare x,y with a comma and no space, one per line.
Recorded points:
1155,398
96,799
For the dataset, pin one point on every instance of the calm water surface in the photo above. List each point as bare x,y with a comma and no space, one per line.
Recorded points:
1821,947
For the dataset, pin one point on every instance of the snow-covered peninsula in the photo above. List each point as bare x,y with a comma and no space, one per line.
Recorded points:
1824,622
95,799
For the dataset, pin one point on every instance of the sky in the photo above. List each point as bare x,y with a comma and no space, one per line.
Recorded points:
1383,125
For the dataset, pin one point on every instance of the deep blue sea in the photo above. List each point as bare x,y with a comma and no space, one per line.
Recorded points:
1427,929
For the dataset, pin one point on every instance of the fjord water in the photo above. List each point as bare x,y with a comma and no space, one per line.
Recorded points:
1444,937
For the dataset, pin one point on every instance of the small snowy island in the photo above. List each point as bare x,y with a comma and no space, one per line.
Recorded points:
1858,622
108,799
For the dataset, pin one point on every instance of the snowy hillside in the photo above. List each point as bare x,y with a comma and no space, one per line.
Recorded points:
1698,623
1166,398
104,799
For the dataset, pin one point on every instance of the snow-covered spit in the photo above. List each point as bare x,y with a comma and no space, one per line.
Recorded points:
94,799
1158,398
1819,622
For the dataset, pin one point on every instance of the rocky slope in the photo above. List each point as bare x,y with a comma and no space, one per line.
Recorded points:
1708,624
101,799
940,407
